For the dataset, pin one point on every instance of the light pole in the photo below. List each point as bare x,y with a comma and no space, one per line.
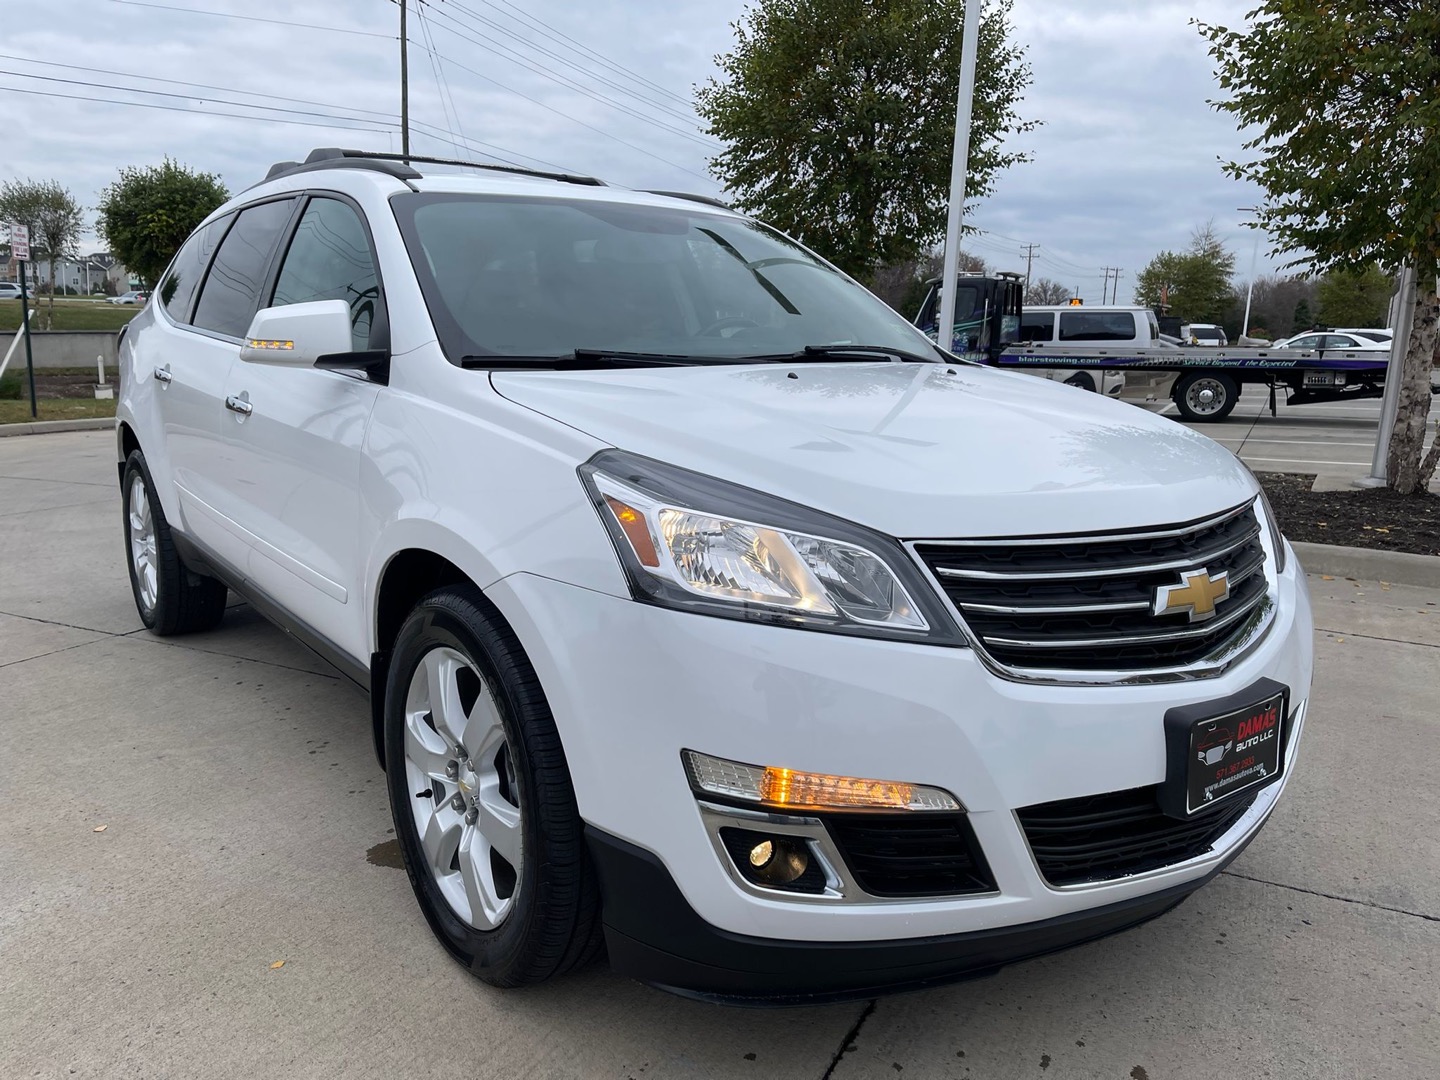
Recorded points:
959,166
1250,287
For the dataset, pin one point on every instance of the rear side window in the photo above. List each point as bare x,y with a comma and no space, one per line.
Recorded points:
232,288
1154,326
1097,326
177,290
330,259
1037,326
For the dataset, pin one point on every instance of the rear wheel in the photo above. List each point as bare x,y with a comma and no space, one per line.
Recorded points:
481,797
170,597
1204,396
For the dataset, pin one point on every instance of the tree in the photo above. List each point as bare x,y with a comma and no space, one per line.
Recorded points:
54,218
1344,99
149,212
1355,298
903,285
838,117
1194,283
1301,320
1044,291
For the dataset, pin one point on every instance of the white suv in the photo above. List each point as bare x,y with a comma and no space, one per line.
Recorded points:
706,609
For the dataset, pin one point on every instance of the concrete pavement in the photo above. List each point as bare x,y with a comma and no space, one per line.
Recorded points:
245,824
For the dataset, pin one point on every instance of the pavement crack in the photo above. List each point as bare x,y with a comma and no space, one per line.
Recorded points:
336,676
48,480
72,626
1376,637
849,1040
1334,896
52,652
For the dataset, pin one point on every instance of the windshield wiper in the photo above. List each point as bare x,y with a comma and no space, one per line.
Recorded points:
820,353
581,359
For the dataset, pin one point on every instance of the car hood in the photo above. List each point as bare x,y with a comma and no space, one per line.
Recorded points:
910,449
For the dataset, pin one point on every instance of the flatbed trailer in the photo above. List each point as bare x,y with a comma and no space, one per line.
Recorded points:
1209,380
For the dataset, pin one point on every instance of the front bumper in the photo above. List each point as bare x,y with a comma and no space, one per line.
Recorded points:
632,685
653,935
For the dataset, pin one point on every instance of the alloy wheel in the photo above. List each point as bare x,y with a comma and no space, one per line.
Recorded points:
143,553
465,793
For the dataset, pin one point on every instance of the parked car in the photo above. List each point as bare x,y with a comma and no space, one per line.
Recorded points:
9,290
705,607
1332,341
1384,336
1204,334
130,298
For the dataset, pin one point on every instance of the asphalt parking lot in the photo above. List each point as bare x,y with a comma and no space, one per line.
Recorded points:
1335,438
181,816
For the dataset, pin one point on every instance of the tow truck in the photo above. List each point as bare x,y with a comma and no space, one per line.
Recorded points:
987,330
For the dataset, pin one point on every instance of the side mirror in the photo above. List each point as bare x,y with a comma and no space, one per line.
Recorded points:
299,334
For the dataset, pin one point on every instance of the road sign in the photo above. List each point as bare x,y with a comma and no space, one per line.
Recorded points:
20,242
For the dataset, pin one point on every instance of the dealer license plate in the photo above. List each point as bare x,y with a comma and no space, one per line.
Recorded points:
1225,753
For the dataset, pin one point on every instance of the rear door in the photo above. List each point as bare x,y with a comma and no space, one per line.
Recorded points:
199,428
296,456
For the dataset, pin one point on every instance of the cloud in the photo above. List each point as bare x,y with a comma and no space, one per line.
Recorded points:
1125,164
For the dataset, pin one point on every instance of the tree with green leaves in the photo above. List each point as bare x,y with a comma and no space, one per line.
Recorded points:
55,221
839,118
1194,283
149,212
1344,99
1355,297
1302,320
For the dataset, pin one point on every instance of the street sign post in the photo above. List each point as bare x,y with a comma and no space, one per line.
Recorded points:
20,251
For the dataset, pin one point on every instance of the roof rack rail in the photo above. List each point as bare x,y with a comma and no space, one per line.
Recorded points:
691,197
333,157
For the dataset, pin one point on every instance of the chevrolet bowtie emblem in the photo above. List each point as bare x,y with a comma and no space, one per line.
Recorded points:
1197,594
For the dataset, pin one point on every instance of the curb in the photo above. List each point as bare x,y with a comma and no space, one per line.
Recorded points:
48,427
1396,567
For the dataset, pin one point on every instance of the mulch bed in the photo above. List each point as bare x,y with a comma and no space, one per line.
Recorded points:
1364,518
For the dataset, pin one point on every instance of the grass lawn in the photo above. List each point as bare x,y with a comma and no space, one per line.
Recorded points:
70,315
18,412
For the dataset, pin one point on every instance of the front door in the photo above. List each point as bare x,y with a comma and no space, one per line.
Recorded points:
297,452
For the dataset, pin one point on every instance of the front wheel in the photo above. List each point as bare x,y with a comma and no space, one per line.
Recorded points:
1081,380
1206,396
481,796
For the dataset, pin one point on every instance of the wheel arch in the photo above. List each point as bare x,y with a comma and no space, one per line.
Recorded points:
126,443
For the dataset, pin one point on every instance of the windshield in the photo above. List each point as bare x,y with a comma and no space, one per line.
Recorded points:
509,276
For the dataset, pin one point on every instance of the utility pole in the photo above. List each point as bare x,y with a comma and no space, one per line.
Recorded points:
1115,289
1105,285
1029,258
959,169
404,85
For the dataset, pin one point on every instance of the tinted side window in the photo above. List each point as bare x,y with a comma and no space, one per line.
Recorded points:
1037,326
330,259
1309,341
232,288
1097,326
178,289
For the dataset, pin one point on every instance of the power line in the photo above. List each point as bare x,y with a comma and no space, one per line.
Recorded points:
687,116
196,112
442,83
572,119
389,118
459,30
577,47
253,18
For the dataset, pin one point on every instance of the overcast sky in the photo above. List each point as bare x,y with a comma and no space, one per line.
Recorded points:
1125,164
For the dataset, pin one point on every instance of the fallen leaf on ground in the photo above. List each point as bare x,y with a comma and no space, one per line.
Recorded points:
1327,577
1339,641
277,964
101,828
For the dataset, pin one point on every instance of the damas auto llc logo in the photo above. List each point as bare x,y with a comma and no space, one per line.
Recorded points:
1258,729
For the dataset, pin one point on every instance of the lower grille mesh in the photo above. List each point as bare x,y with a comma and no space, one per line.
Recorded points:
1102,837
911,855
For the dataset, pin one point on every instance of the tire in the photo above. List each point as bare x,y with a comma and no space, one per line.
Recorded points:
170,597
1205,396
1081,380
465,815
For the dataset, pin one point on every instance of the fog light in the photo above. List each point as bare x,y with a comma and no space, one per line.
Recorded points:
775,861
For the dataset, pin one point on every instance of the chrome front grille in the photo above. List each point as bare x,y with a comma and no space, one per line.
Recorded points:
1087,603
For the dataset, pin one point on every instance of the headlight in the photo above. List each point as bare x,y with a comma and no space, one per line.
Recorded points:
1277,539
699,544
